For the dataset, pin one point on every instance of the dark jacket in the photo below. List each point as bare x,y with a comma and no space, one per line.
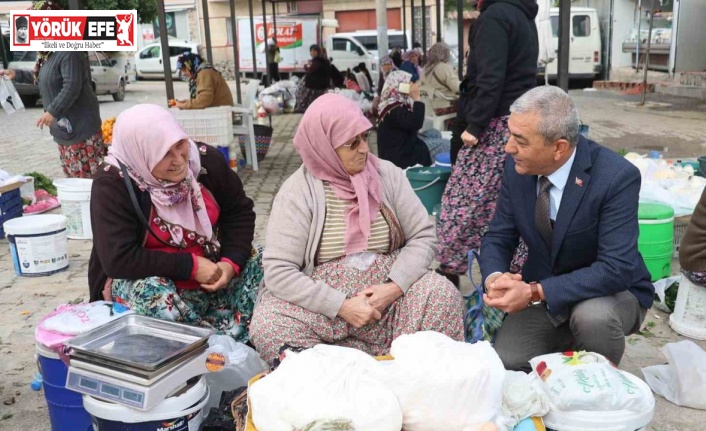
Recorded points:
397,137
67,92
119,235
318,74
502,64
692,251
594,245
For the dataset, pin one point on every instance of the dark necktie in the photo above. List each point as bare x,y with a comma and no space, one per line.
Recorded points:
541,212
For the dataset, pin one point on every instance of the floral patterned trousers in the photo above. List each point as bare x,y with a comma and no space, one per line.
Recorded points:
432,303
228,310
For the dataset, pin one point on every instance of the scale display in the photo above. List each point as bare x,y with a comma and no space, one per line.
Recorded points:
110,391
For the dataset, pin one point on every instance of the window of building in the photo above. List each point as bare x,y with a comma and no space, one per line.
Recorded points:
291,7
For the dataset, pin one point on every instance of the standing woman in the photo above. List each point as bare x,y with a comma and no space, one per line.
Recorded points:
207,87
502,65
316,82
439,75
70,108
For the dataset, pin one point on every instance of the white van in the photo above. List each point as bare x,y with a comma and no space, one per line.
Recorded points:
585,55
148,61
349,49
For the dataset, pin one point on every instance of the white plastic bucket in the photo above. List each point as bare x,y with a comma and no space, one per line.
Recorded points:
180,413
621,420
75,197
689,316
38,244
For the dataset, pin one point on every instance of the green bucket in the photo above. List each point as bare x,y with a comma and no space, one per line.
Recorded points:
429,184
656,240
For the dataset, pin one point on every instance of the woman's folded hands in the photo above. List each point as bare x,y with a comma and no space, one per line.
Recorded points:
367,306
213,276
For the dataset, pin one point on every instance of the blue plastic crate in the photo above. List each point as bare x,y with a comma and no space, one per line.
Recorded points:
10,207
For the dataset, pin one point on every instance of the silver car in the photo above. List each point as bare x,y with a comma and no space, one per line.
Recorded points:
106,75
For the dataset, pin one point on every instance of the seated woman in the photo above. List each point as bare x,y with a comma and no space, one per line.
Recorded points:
172,227
351,82
692,251
363,77
349,245
316,82
441,77
207,87
401,118
411,64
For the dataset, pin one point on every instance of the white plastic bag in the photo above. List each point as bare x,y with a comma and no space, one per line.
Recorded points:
9,97
661,287
81,318
588,381
683,380
444,384
324,384
243,364
521,399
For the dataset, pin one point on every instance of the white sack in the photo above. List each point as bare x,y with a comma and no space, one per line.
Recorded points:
521,399
325,383
84,317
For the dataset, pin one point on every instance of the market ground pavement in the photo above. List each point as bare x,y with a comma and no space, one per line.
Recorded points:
677,125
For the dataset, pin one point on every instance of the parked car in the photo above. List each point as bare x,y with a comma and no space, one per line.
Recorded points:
585,57
349,49
107,76
29,93
148,61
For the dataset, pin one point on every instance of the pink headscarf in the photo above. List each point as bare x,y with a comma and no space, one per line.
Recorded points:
329,122
142,136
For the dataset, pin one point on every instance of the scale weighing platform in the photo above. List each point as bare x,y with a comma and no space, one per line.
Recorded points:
139,361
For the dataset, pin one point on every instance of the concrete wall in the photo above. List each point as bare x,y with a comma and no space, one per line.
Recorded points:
331,6
691,36
624,20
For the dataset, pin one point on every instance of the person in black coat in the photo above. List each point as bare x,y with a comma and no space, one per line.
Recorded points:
401,118
502,66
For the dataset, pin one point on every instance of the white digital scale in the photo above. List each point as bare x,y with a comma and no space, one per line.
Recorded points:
138,361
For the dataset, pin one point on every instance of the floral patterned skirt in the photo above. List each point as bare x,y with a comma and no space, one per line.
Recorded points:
81,160
430,304
468,203
697,277
228,310
305,96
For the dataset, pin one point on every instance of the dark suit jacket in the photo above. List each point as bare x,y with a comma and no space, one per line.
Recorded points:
594,245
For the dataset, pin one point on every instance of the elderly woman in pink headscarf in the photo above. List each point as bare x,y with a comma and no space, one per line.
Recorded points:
349,247
172,227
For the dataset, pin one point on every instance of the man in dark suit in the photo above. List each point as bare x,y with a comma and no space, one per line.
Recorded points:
584,285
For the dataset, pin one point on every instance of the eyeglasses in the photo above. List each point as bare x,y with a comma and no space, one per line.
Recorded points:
358,140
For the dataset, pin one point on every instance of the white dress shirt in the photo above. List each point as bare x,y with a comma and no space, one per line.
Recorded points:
558,178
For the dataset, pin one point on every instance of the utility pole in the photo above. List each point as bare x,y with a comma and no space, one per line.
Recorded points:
236,57
438,20
207,30
564,43
459,28
381,15
252,41
647,55
164,42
